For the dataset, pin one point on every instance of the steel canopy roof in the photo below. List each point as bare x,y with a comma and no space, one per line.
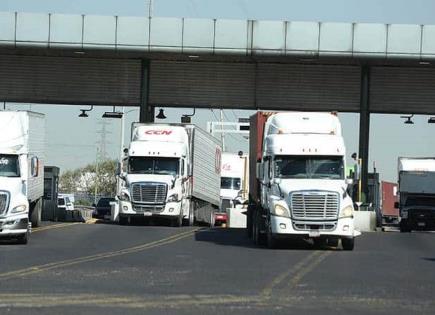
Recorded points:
216,39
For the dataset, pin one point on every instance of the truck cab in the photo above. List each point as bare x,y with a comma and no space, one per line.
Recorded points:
301,181
14,206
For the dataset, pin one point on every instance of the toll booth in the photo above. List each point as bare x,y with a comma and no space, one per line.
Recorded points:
51,190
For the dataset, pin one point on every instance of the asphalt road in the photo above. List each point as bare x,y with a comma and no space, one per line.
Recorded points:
110,269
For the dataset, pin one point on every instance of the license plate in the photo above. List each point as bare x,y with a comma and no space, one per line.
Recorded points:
314,234
421,224
147,214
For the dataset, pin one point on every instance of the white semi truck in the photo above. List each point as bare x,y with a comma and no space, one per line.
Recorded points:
22,135
416,194
170,171
233,179
297,180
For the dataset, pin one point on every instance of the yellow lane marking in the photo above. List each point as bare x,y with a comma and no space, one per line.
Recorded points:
298,271
267,291
103,300
107,301
307,269
54,226
69,262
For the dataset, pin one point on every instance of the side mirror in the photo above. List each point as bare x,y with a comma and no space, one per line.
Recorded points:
349,181
396,205
123,175
94,205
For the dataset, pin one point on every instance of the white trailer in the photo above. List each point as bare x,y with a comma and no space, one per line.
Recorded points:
416,193
22,138
170,171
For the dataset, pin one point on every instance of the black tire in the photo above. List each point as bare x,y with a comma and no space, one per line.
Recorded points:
23,239
348,243
259,238
190,221
123,220
249,222
178,221
404,226
35,215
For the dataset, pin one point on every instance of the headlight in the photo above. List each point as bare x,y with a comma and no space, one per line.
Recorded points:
173,198
346,212
18,209
124,197
281,211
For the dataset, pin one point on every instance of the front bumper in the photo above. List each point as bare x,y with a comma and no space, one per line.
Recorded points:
286,227
170,209
14,225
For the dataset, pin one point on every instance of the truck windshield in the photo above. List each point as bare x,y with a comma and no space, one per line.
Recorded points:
424,201
153,165
9,166
330,167
230,183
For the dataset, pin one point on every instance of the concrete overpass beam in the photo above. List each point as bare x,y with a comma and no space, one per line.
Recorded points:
364,127
146,110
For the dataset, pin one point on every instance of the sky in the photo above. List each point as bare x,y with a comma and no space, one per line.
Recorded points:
71,147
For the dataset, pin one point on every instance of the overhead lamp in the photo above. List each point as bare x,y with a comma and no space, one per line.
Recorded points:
161,114
408,120
431,120
83,113
186,119
112,114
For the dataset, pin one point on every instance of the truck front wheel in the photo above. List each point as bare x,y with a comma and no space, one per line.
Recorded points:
23,239
35,213
348,243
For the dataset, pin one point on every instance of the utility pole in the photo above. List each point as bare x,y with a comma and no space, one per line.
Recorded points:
102,143
222,134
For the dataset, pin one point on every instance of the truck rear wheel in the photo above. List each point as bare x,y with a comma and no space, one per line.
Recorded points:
35,216
348,243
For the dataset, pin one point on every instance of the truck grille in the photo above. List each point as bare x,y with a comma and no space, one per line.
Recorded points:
152,209
315,205
149,193
4,202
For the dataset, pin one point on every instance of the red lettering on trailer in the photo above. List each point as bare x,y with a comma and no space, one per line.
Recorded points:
158,132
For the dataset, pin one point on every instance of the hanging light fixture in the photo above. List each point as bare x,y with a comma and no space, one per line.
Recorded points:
83,113
161,114
408,120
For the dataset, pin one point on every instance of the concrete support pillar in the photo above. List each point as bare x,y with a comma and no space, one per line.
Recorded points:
146,110
364,127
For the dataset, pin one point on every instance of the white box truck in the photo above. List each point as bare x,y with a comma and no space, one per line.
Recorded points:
170,171
416,194
297,180
22,135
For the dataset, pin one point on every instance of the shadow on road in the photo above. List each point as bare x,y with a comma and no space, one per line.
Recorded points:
429,259
238,237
